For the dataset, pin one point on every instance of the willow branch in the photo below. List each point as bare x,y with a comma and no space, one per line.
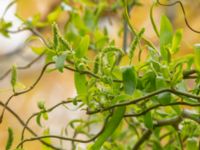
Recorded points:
88,73
161,105
23,67
144,137
135,101
43,111
160,123
66,138
24,125
184,14
25,91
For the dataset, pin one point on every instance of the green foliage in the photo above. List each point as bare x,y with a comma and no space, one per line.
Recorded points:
4,27
143,98
47,140
166,34
10,139
111,126
13,77
197,57
129,80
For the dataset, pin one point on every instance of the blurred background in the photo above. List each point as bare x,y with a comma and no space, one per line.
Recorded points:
14,50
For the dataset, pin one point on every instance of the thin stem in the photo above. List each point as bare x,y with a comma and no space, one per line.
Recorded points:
152,20
66,138
25,91
23,67
184,14
43,111
144,137
135,101
23,124
161,105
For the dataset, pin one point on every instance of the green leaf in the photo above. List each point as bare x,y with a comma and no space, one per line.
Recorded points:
41,105
177,75
60,62
82,49
80,83
13,76
197,56
10,139
4,26
46,140
111,126
55,35
38,119
191,144
38,50
129,79
176,41
45,116
54,15
166,34
163,98
148,121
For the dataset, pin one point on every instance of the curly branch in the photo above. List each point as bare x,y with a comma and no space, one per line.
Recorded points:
23,124
184,14
66,138
23,67
135,101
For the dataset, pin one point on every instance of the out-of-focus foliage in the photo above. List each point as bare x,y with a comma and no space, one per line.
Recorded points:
143,104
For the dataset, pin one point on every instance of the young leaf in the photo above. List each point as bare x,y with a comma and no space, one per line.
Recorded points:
45,116
111,126
197,56
80,83
129,79
166,34
38,50
47,140
14,76
10,139
176,41
41,105
38,119
60,62
4,27
82,49
54,15
148,121
55,35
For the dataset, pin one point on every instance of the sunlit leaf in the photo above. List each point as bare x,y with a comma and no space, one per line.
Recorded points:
54,15
82,49
80,83
197,56
46,140
166,35
176,41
